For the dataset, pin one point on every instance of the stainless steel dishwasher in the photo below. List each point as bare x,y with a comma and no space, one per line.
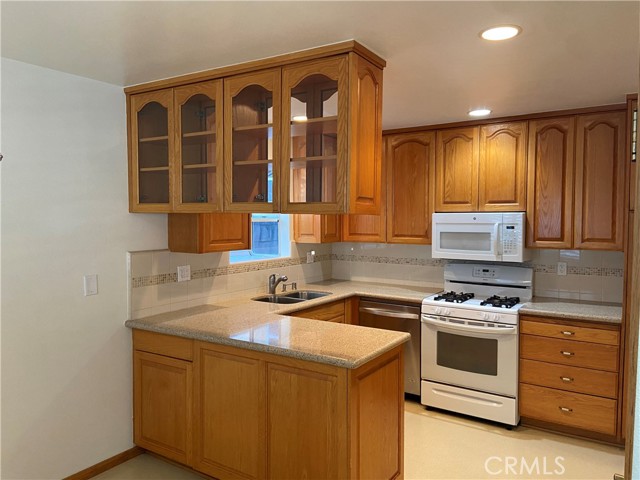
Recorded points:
401,317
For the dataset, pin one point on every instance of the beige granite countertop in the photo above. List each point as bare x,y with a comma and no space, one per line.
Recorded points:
240,322
581,310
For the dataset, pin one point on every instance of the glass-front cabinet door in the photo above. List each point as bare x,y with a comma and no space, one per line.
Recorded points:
252,118
151,143
198,162
314,136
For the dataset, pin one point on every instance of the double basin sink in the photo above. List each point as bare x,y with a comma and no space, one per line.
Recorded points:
293,297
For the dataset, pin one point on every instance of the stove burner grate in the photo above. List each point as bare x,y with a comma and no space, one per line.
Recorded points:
454,297
498,301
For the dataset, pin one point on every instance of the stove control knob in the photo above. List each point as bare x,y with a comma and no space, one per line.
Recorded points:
438,311
484,316
495,317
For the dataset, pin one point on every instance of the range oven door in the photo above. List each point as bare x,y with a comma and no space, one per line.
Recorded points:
477,355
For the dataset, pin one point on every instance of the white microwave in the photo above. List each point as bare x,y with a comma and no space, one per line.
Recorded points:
485,236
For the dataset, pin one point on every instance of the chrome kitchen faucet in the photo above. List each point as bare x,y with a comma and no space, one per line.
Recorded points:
274,280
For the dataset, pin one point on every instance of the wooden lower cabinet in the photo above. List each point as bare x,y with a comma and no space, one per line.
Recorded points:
338,312
250,414
569,376
162,405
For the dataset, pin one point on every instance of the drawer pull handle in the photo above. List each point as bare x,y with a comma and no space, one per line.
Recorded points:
566,379
566,409
568,333
567,354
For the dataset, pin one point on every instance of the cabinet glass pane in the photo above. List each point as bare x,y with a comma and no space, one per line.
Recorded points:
153,154
314,123
252,145
198,126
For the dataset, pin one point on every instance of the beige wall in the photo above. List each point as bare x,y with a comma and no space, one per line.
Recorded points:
66,358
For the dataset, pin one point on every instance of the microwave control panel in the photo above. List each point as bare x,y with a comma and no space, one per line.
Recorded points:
510,239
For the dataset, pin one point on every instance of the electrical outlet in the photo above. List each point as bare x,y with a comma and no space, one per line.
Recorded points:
90,285
184,273
311,256
562,268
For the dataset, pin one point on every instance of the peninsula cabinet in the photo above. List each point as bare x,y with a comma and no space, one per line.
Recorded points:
569,376
176,149
332,136
298,133
577,182
252,126
236,413
481,168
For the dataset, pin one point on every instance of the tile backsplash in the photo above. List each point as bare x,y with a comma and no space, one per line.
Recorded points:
153,285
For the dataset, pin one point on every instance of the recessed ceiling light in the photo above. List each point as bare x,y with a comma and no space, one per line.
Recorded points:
479,112
501,32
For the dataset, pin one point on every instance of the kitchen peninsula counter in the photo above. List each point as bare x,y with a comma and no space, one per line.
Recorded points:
240,322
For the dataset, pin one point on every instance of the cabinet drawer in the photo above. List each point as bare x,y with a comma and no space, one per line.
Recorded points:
573,409
568,352
573,379
581,334
333,312
168,345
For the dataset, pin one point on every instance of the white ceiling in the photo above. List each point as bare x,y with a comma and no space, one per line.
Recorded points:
570,54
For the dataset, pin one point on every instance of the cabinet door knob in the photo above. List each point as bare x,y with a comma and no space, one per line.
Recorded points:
566,379
567,354
566,409
568,333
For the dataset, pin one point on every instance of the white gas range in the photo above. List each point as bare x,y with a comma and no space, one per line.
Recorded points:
469,361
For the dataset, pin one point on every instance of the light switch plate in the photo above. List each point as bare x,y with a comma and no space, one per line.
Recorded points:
90,285
311,256
184,273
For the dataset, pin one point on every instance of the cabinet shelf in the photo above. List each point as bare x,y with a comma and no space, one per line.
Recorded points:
199,166
154,169
160,139
198,134
302,162
252,128
315,126
252,162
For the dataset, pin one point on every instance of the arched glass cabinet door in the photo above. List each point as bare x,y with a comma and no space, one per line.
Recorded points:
314,135
198,163
252,150
151,151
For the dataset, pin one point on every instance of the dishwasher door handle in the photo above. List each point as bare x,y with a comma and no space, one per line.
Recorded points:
383,312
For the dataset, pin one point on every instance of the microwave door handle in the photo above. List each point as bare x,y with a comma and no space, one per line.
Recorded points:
496,239
431,320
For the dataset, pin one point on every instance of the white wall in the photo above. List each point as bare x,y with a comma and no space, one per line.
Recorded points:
66,358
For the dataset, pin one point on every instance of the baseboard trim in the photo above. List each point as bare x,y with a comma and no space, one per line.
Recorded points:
105,465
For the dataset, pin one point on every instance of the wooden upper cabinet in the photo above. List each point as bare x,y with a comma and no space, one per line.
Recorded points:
410,166
550,183
632,141
198,140
252,127
600,181
457,156
314,135
151,151
365,164
309,228
331,141
503,167
209,232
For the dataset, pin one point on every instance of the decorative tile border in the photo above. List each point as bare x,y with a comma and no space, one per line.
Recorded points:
585,271
164,278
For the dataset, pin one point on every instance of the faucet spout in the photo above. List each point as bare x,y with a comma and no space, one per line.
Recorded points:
274,280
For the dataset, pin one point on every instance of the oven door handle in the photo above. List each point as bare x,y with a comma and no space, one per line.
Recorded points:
431,320
383,312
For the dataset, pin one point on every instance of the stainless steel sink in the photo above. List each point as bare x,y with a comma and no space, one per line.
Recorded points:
305,294
278,299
